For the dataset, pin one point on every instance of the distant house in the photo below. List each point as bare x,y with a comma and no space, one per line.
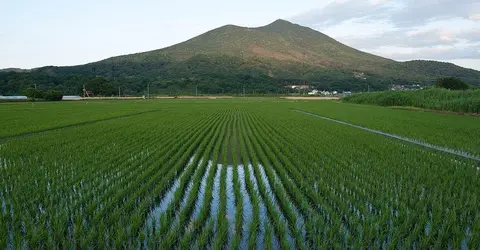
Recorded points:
359,75
397,87
304,86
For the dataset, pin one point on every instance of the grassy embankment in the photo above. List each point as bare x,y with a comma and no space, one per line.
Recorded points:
466,101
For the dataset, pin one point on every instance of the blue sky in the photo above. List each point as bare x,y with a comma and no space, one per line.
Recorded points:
39,33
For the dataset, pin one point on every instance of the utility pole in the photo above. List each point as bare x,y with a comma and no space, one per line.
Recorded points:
84,91
196,91
148,91
119,91
35,93
243,91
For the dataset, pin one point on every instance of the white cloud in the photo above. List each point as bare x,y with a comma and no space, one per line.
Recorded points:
403,29
475,17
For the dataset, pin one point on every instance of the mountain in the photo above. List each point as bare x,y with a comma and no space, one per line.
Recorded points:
279,41
226,59
18,70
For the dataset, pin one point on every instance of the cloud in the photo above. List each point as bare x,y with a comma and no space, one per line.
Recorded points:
440,52
475,17
339,11
402,29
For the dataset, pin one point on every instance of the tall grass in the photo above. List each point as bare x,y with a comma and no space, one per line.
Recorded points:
466,101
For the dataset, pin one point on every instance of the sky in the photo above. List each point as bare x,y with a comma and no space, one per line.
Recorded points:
38,33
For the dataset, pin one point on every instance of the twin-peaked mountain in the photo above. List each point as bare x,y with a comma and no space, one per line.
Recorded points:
226,59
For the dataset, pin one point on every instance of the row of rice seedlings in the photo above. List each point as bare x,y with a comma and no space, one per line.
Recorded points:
166,199
201,193
256,229
422,221
202,212
230,208
149,185
204,237
239,199
387,221
267,244
278,194
247,208
199,218
152,160
172,237
222,224
40,181
280,226
278,168
221,228
138,220
288,201
281,155
174,193
70,189
352,219
171,214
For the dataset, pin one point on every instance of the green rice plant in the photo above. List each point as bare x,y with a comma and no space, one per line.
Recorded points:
267,244
236,190
254,225
311,183
171,237
204,237
221,234
279,224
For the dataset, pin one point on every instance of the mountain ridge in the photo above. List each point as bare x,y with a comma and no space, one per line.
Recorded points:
230,56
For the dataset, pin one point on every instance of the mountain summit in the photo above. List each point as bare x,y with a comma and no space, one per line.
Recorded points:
279,42
264,58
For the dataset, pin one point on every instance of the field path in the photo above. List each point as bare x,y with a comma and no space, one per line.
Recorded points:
414,141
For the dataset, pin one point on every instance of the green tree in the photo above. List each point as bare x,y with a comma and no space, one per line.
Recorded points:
33,94
101,86
53,95
451,83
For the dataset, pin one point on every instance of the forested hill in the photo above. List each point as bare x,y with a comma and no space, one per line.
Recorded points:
226,59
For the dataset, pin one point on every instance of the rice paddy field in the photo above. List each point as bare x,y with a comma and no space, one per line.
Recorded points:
236,174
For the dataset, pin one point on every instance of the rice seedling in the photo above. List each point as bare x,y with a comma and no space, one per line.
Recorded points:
236,174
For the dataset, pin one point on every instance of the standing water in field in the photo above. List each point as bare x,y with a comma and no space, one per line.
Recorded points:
300,222
247,207
272,197
166,200
216,193
230,203
263,215
201,193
